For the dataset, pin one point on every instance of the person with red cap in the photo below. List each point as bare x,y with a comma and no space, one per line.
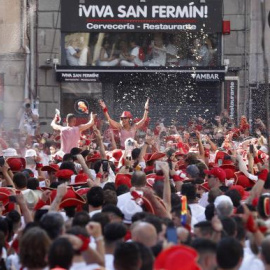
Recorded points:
125,128
70,135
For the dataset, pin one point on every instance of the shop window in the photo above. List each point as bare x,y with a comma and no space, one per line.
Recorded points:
141,49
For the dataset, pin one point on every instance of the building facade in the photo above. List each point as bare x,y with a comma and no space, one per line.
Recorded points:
35,43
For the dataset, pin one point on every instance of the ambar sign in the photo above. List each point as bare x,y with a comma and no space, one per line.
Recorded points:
206,76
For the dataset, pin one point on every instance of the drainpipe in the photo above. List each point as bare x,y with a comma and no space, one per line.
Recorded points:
32,10
24,47
27,67
245,61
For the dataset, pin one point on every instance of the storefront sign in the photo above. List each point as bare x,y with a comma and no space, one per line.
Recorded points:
209,76
75,76
109,74
231,99
143,16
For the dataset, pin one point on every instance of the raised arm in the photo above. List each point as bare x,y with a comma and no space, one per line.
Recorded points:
112,123
100,143
167,188
54,125
201,147
146,109
89,124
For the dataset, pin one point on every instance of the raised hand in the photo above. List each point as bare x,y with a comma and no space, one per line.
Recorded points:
146,106
102,104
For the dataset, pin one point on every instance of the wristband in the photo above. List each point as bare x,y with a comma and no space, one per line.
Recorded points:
100,238
99,175
85,241
105,110
39,165
147,110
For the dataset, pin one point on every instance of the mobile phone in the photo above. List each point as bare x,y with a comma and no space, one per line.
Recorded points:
171,235
42,184
219,162
2,161
192,135
251,148
159,164
105,165
170,164
12,199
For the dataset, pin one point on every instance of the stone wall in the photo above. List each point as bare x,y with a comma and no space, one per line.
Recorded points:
256,55
48,47
12,59
236,47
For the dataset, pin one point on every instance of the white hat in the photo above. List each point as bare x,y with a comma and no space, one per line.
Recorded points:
10,152
129,208
264,149
31,197
222,198
30,153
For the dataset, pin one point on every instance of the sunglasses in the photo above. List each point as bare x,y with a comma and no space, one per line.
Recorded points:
123,118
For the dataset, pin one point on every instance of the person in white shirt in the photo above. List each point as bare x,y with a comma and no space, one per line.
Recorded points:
95,198
114,234
77,53
72,54
106,57
133,59
197,211
158,52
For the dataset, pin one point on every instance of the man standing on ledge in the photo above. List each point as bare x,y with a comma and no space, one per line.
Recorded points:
70,135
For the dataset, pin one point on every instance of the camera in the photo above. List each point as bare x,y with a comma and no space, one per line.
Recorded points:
130,143
27,105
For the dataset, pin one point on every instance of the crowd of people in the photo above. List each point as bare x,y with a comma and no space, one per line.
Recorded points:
133,50
122,195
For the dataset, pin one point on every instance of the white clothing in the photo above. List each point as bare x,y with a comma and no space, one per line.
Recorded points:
45,159
27,124
250,260
159,57
84,266
204,199
71,59
13,262
109,261
172,50
108,63
128,206
136,61
105,63
83,57
136,52
94,212
197,211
